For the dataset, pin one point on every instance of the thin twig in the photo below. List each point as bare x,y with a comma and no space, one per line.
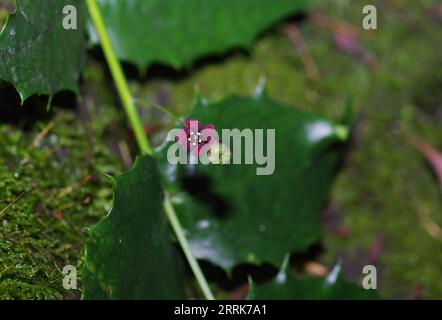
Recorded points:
295,36
43,133
10,204
337,26
125,154
430,226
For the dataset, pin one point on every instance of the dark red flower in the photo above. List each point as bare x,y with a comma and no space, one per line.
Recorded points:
194,135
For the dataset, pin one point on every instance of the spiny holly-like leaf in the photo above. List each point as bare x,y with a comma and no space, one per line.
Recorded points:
231,214
38,56
176,32
285,287
130,255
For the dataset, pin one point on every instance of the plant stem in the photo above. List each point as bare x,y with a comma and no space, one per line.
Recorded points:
119,79
185,246
147,104
141,137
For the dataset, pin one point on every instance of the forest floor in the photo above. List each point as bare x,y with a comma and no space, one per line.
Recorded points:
381,205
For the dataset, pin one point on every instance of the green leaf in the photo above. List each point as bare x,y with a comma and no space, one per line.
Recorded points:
130,254
232,215
285,287
176,32
38,56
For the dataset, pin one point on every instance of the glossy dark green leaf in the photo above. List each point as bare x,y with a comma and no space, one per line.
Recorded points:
332,287
130,254
231,214
38,56
176,32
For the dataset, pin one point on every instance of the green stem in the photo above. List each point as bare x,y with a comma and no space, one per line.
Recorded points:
119,79
146,103
185,246
141,137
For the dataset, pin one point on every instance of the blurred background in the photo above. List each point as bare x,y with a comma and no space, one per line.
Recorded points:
385,206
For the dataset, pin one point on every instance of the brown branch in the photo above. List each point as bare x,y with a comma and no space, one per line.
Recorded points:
296,38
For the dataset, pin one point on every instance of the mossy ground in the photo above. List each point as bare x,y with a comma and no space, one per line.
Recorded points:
52,188
382,191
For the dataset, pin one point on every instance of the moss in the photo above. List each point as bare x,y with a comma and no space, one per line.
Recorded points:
386,185
63,191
